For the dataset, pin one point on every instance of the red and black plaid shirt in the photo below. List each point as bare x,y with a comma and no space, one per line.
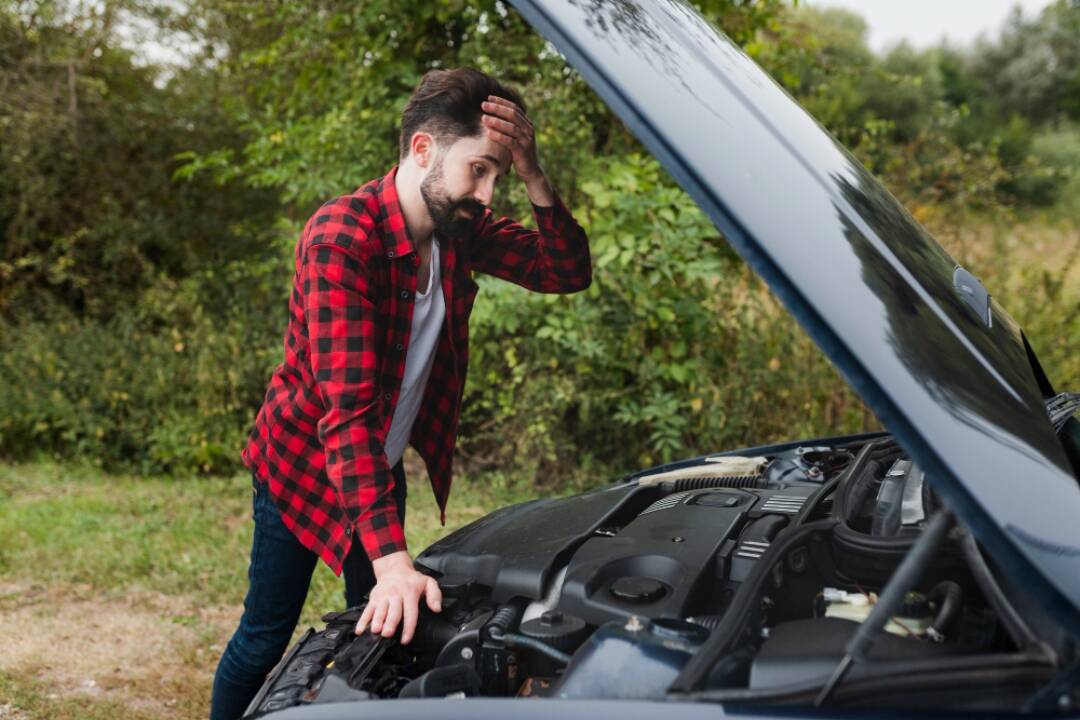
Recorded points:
318,438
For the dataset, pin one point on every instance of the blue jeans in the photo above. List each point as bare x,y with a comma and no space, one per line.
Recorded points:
278,578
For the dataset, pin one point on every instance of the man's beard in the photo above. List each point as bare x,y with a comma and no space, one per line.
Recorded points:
443,208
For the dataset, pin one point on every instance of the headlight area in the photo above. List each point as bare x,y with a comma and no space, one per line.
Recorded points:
819,575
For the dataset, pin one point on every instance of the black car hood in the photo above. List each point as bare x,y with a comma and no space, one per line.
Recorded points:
942,366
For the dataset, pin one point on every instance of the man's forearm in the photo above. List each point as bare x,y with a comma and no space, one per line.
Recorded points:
540,191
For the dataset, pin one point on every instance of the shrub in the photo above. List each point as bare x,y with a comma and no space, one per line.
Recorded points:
675,349
169,385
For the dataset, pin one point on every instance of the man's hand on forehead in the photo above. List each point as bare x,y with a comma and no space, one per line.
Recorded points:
506,124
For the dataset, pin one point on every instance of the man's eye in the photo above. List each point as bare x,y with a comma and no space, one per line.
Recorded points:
479,170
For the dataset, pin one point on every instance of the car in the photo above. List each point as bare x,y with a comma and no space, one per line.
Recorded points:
932,566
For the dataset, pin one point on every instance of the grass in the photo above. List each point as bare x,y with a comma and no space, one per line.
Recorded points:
117,533
31,698
1032,267
145,555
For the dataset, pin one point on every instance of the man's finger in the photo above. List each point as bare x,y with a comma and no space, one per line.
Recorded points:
502,102
379,617
506,103
501,138
408,624
508,111
433,595
497,110
365,618
393,616
504,126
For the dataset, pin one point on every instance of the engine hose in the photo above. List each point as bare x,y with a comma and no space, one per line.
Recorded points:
847,476
523,641
859,490
505,618
435,632
1014,624
738,612
894,546
702,483
949,598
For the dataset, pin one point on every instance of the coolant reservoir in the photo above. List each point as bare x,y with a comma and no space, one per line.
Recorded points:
914,620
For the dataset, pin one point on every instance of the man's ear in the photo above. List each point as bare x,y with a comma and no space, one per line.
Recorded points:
422,148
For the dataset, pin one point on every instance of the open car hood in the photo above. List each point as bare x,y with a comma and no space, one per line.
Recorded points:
942,365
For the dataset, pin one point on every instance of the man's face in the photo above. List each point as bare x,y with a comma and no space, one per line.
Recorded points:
461,182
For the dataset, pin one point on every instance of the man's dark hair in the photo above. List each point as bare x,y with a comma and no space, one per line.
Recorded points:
446,104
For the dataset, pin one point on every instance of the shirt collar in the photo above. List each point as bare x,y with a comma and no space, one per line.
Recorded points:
395,234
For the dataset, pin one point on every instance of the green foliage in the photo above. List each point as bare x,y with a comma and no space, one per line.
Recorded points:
171,385
1033,70
1057,150
89,214
148,215
943,127
673,350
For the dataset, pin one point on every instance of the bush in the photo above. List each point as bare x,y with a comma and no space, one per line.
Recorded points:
676,348
1058,150
140,316
170,385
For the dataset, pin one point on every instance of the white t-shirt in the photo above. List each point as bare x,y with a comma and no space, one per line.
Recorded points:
429,310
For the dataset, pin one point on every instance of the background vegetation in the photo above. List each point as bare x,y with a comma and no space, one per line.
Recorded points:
148,209
150,200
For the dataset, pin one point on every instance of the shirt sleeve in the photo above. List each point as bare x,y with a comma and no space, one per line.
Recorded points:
340,317
553,258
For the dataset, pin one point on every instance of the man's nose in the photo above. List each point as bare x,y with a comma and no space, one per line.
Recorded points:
484,193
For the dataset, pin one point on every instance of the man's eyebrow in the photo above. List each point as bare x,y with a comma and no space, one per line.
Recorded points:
495,161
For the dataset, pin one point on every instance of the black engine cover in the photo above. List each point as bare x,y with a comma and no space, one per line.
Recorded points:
628,549
512,551
654,564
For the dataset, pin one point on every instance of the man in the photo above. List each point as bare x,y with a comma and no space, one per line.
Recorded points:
376,352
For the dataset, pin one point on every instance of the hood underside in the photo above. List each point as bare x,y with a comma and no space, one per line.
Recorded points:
942,365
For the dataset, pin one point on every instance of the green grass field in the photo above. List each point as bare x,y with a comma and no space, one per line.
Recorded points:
118,593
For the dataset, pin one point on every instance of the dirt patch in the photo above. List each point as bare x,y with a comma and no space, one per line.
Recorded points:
153,653
10,712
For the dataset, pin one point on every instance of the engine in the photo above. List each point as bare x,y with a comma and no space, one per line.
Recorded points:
759,569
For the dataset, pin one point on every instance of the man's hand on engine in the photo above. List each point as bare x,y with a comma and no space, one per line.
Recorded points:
396,597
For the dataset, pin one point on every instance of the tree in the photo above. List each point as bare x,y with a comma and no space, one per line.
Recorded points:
89,214
1033,70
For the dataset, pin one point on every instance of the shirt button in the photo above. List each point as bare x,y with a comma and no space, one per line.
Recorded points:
348,531
404,294
387,396
399,347
390,254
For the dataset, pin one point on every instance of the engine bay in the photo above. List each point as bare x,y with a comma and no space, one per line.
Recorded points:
741,579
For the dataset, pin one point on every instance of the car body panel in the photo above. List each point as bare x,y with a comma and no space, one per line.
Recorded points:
944,369
501,708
